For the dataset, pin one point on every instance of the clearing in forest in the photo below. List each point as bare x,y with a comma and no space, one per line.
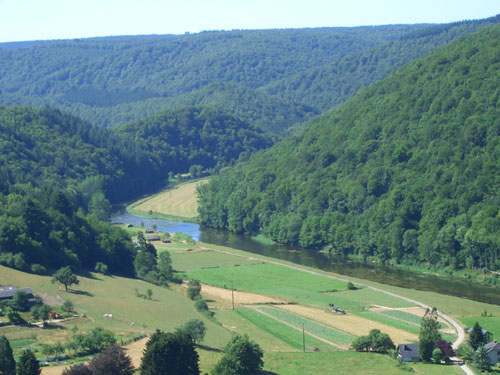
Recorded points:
181,201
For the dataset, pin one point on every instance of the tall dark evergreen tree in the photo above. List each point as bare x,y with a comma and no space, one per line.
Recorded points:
476,337
7,362
170,354
28,364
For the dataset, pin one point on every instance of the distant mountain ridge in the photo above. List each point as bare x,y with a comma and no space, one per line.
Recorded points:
89,77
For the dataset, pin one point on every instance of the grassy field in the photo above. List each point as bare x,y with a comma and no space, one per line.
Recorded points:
180,201
347,363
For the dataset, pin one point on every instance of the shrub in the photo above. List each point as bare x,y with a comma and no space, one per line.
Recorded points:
38,269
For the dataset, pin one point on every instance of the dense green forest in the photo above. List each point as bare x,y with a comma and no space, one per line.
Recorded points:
44,147
276,79
191,136
407,170
110,81
58,174
327,86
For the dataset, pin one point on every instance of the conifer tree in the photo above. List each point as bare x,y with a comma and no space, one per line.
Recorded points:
28,364
476,336
7,362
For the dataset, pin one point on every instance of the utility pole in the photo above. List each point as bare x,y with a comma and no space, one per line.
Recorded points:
232,294
303,339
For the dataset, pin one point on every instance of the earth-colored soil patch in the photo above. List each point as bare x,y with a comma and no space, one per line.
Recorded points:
349,323
182,201
240,298
135,351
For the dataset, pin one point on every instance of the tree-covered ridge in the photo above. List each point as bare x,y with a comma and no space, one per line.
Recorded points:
195,136
91,78
327,86
407,169
44,147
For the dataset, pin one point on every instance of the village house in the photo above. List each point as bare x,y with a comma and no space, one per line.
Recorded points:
493,350
408,352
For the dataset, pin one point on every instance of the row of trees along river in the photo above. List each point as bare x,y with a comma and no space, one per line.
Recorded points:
385,274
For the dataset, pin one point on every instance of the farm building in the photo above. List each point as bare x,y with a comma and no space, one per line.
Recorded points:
408,352
7,293
153,237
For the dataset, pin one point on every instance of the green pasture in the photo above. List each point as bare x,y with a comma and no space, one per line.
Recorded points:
347,363
98,295
237,322
272,280
317,329
185,261
281,331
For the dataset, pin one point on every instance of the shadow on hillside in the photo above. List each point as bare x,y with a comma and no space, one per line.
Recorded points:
208,348
53,326
80,292
87,274
263,372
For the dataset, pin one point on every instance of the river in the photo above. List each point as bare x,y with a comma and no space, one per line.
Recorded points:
375,272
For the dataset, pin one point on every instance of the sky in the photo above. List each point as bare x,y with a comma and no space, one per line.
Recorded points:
67,19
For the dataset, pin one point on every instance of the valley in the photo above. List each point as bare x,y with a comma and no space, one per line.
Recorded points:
316,196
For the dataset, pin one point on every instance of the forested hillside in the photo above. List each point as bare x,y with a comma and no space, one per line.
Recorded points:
109,81
58,174
206,137
408,169
327,86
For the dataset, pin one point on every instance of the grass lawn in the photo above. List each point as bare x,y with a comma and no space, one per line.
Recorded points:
347,363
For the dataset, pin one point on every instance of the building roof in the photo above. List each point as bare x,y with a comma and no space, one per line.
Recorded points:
408,350
494,345
8,291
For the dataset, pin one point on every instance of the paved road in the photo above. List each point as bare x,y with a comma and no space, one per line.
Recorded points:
458,328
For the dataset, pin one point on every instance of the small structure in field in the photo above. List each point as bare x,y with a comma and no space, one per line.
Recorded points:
166,240
153,237
336,309
54,315
408,352
150,231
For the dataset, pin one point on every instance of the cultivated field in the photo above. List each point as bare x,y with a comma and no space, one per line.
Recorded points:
180,201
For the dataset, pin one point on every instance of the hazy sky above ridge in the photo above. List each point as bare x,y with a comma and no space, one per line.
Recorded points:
65,19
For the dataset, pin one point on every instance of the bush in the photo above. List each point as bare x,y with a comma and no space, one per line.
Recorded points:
194,289
38,269
101,268
202,306
242,356
194,328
